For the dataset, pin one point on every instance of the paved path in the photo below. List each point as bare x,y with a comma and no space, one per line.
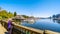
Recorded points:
2,30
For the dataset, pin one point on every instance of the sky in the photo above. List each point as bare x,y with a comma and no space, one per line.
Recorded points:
37,8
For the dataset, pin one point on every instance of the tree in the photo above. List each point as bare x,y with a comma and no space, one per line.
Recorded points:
4,14
58,15
15,13
0,8
54,16
10,12
25,16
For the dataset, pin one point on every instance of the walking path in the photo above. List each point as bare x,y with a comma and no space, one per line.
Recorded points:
2,30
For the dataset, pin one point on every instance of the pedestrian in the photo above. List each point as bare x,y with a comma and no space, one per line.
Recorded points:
10,26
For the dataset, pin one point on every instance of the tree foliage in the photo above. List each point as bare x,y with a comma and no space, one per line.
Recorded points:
25,16
0,8
15,13
56,16
5,14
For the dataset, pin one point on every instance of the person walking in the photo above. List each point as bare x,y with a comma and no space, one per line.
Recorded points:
10,26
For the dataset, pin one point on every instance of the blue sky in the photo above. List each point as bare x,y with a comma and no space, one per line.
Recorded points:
37,8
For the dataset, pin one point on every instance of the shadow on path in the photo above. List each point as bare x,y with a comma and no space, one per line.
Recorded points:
6,32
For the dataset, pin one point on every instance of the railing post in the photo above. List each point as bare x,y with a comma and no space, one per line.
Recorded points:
44,32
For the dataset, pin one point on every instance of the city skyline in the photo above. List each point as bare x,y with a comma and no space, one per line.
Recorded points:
37,8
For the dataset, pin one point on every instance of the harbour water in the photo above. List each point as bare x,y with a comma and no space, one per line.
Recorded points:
44,24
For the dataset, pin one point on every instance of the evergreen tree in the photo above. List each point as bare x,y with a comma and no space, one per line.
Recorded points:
54,16
15,13
0,8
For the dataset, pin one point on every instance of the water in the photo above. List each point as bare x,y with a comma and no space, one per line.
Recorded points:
44,24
